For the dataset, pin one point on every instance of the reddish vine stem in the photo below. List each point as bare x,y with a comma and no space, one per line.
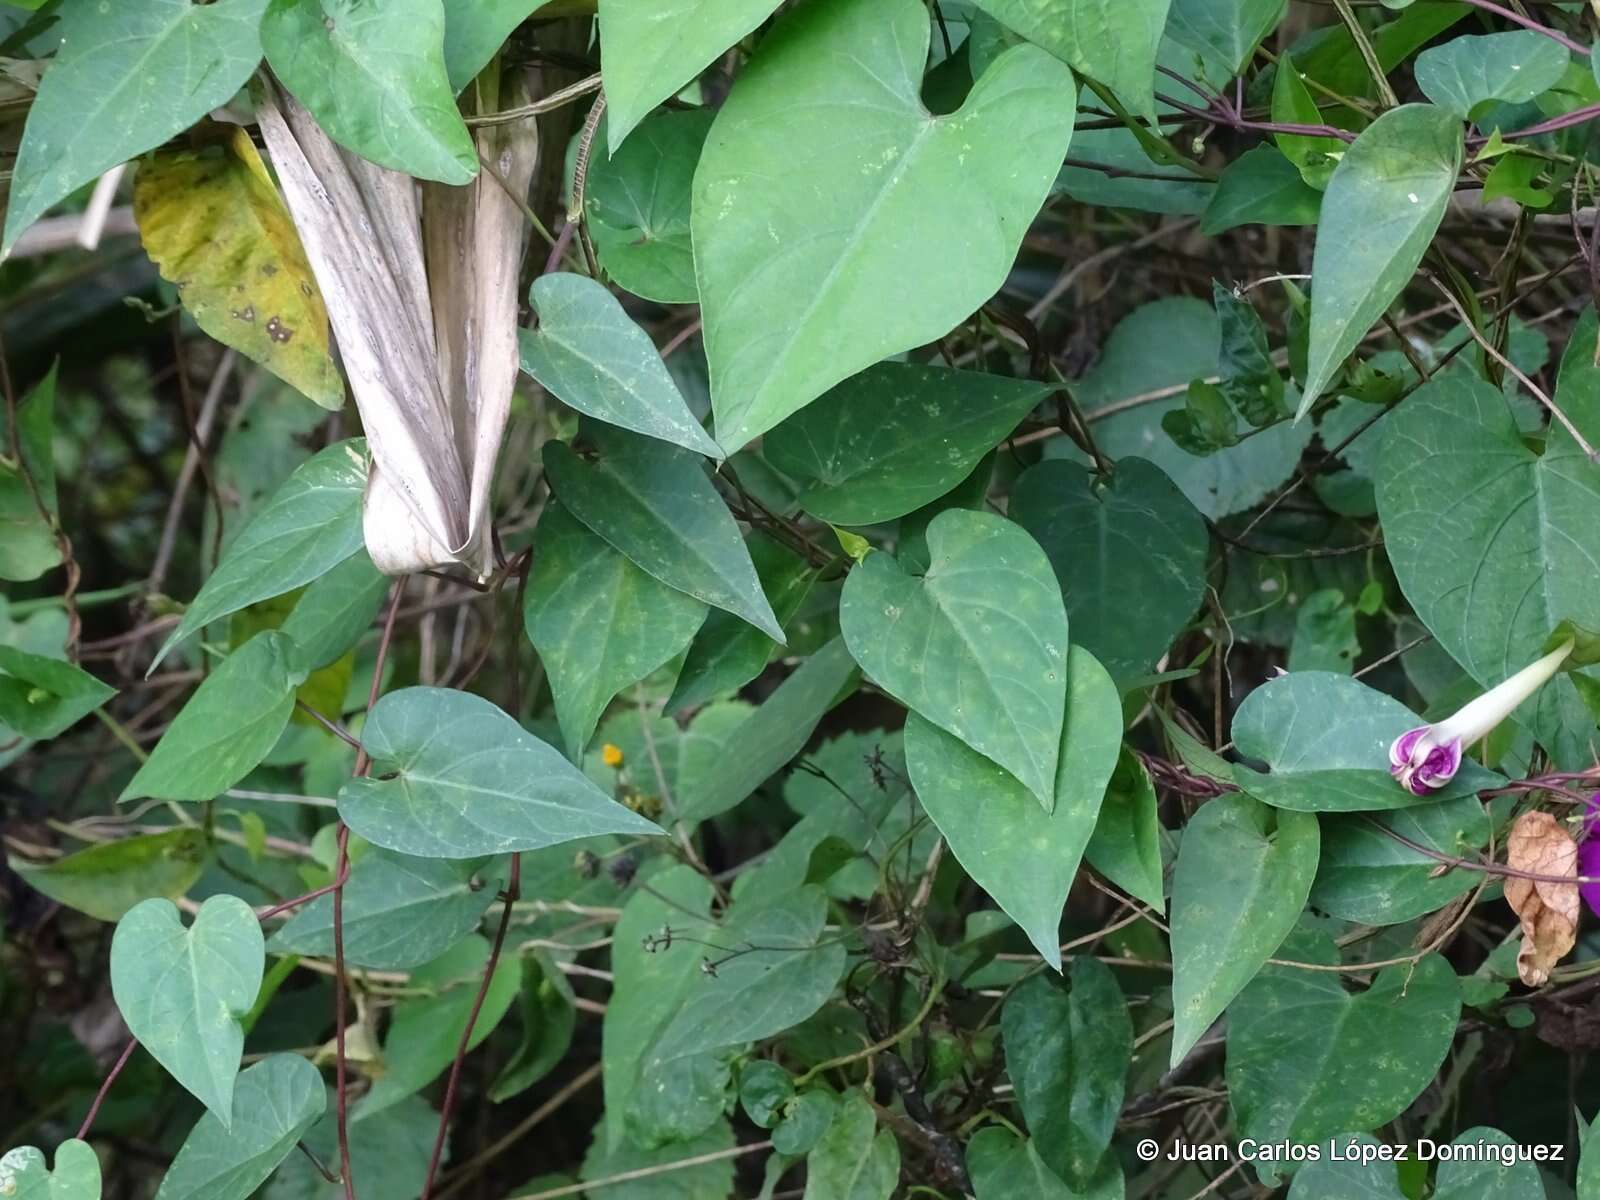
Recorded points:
513,890
100,1096
342,873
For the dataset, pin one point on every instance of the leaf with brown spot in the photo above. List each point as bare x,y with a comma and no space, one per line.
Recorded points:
214,224
1540,845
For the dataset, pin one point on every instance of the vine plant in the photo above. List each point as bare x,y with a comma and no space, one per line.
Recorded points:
830,598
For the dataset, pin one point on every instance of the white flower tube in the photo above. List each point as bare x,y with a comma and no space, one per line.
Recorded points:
1426,758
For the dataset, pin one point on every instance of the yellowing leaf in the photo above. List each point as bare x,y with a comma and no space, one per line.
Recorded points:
1549,911
214,224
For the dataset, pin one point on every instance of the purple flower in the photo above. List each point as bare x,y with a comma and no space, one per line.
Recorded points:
1426,758
1589,854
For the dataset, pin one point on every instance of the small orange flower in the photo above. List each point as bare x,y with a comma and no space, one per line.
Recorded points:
611,755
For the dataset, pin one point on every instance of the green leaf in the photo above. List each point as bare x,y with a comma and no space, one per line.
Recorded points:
455,777
768,967
1068,1043
805,1121
425,1031
399,911
474,31
311,525
728,653
1126,845
1589,1163
811,250
774,733
1315,156
1250,379
1324,633
548,1019
1231,29
1366,876
895,437
989,587
1187,331
651,49
211,219
637,205
660,760
127,78
600,624
1326,738
107,880
275,1104
332,614
1260,187
654,503
374,78
764,1089
1025,859
1307,1059
649,983
1348,1177
1379,214
25,1176
1505,68
229,725
588,353
388,1156
1113,42
609,1156
1129,552
41,696
854,1160
28,544
1205,423
1493,544
182,991
1004,1166
1243,873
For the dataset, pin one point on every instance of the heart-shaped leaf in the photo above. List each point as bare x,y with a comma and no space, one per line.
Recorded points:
127,78
651,49
399,911
229,725
1004,1166
895,437
1130,554
1380,212
854,1159
474,31
1232,29
1365,875
637,203
1494,545
811,249
275,1103
311,525
1240,883
1068,1042
1509,68
1326,738
590,355
654,502
182,991
1024,858
1307,1059
600,624
1111,41
41,696
374,78
455,777
977,645
24,1174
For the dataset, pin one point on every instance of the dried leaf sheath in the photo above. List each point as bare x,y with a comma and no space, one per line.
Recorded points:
428,336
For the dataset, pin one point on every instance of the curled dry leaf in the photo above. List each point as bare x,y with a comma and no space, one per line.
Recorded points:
421,293
1540,845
